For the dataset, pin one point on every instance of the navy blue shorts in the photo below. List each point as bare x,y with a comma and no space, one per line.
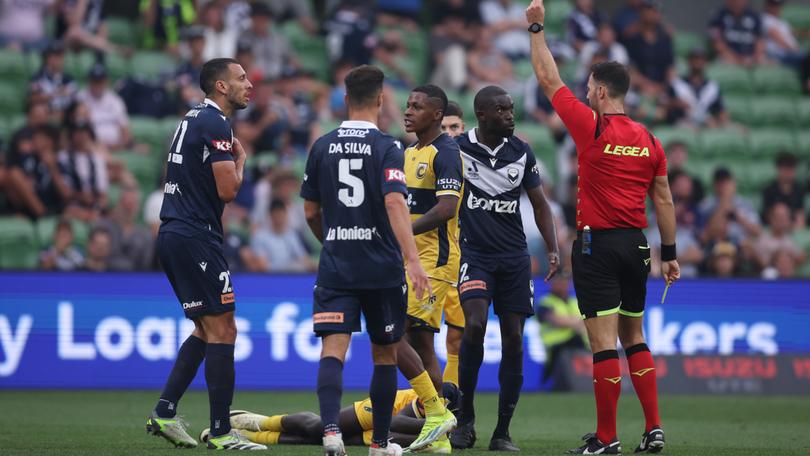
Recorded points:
507,282
198,273
337,310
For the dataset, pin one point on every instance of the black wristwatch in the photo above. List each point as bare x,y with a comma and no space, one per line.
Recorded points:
536,27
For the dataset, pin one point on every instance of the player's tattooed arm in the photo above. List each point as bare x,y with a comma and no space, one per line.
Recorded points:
544,219
312,211
443,211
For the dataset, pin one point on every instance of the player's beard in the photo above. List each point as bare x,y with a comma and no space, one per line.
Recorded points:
238,103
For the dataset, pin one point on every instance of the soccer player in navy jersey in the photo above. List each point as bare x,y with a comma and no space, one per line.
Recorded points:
495,263
354,191
204,171
620,163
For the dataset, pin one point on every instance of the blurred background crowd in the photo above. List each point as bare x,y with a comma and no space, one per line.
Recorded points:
91,92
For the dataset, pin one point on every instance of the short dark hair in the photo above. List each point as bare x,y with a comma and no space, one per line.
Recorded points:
277,204
453,109
786,160
97,231
485,97
436,92
721,175
614,76
50,131
212,71
363,85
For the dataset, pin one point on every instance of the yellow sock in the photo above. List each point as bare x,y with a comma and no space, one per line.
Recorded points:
451,370
427,394
263,437
272,423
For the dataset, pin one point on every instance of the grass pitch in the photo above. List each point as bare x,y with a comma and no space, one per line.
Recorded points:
112,422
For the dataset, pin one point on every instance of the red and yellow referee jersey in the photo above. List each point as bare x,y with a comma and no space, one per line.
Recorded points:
618,159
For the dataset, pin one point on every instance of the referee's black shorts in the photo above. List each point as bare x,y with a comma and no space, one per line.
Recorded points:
613,278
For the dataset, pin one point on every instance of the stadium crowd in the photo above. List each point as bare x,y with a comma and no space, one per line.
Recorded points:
90,102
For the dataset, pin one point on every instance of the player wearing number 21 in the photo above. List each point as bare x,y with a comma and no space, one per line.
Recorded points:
354,191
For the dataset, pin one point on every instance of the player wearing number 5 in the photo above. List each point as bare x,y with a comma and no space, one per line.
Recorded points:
354,191
204,171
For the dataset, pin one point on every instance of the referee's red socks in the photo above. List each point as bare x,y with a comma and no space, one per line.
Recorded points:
642,373
607,386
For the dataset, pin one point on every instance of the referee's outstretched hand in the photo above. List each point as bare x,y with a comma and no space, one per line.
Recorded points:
536,12
671,271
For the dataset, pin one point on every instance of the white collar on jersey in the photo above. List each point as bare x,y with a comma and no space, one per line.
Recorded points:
474,140
213,103
358,124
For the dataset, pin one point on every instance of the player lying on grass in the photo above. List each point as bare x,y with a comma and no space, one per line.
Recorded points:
305,428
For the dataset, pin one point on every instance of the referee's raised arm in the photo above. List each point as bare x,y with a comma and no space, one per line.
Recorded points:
545,68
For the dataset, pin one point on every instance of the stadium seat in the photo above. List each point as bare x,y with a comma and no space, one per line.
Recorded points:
9,125
143,167
667,135
14,67
557,13
686,41
12,99
776,80
803,112
44,229
78,64
797,15
767,142
152,65
122,31
739,108
717,143
732,79
772,111
538,136
803,144
19,248
148,130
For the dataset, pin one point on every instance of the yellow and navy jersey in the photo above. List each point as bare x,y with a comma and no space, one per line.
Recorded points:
404,398
432,171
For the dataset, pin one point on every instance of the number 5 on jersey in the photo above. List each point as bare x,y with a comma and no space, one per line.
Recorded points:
355,196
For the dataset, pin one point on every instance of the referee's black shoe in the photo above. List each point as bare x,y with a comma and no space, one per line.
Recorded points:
651,442
594,446
502,444
463,436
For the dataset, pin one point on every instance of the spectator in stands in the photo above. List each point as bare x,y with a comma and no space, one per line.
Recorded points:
262,127
583,23
486,65
337,105
163,21
625,20
244,55
36,186
392,56
50,84
99,246
455,29
280,246
37,114
350,31
722,262
399,13
80,25
694,99
651,52
677,157
187,75
63,255
131,244
299,95
786,189
83,166
781,44
271,51
736,33
301,12
538,107
220,39
683,191
22,24
605,41
725,215
108,113
507,20
778,239
690,252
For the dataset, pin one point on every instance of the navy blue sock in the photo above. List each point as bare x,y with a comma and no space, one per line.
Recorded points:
510,378
219,375
383,392
189,357
330,390
470,358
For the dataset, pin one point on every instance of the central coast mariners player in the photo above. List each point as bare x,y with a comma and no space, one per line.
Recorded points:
433,173
495,265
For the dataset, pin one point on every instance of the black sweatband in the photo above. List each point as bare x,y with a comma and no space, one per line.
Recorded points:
605,355
638,348
668,252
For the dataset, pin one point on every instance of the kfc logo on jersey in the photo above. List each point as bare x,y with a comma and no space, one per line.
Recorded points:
394,175
222,145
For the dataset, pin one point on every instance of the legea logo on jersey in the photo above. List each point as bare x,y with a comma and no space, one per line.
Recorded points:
222,145
394,175
354,233
351,132
493,205
633,151
171,188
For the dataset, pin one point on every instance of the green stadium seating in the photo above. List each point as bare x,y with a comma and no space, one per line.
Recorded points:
538,136
78,64
717,143
557,13
767,142
739,108
143,167
803,144
803,112
9,125
687,136
46,226
772,112
686,41
14,68
151,131
122,31
19,248
776,80
797,15
151,65
704,168
12,99
523,69
732,79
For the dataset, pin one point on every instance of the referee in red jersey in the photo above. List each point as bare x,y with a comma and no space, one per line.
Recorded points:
619,164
